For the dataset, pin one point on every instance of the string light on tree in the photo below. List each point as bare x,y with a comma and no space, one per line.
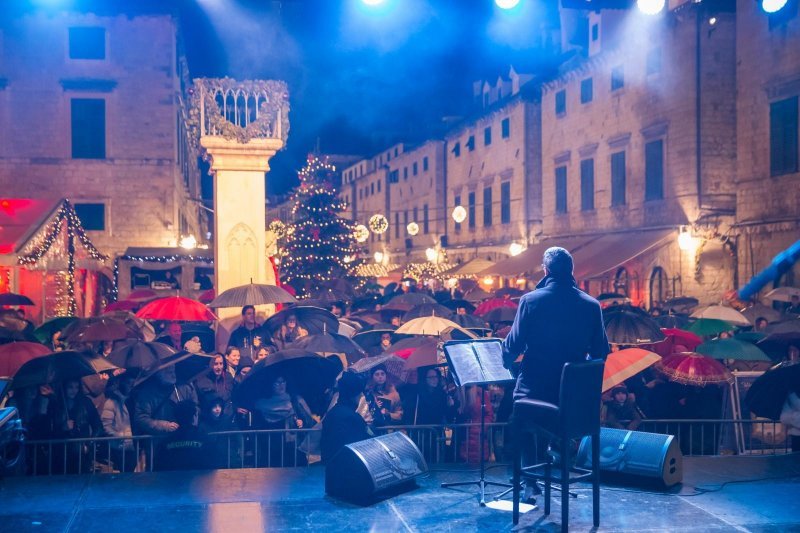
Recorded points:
361,233
278,228
378,223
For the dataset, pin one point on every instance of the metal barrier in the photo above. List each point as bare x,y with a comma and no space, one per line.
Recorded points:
453,443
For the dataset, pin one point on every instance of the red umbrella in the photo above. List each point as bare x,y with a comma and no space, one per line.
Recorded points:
626,363
15,354
207,296
691,368
494,303
176,308
683,337
121,305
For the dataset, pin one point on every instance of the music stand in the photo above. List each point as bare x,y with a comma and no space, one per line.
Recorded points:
477,362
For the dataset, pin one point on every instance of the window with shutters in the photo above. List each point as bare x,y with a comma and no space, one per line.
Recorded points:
88,116
471,210
618,178
587,184
783,137
487,206
654,170
561,189
505,202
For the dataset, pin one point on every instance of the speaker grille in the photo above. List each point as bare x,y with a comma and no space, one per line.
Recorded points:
392,458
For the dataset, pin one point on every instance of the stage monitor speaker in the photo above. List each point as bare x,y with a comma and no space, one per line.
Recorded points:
647,456
371,469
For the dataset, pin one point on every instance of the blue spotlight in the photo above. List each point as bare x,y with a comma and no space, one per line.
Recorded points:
372,2
650,7
506,4
773,6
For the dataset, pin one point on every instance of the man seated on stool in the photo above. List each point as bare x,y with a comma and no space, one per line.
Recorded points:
556,324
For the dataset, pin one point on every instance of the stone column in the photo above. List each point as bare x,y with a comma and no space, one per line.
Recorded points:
239,212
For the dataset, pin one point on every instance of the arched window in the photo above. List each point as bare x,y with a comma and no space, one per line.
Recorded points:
659,288
621,282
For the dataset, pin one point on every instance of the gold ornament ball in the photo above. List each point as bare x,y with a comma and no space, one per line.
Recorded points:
412,228
361,233
378,223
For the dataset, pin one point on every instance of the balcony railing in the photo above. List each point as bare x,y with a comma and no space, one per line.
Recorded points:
239,110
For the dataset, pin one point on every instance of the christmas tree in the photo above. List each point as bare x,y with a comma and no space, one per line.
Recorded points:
319,245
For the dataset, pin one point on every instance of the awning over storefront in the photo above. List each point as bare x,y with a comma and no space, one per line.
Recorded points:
530,260
609,252
473,267
20,218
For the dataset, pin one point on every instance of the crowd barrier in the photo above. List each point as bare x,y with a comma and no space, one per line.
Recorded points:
448,444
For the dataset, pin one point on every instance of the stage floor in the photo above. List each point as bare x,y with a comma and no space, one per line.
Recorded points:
762,494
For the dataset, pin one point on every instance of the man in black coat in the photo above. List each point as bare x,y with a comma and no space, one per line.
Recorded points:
555,324
342,425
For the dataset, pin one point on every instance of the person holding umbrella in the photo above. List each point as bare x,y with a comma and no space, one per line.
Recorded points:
247,337
117,421
289,332
281,410
383,398
154,411
216,382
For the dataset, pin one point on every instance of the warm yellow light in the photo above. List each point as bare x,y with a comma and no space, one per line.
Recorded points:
521,281
430,254
685,240
378,257
459,214
412,228
515,249
488,280
189,242
452,283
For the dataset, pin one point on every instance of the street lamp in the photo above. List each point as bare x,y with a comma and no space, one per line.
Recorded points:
515,249
459,214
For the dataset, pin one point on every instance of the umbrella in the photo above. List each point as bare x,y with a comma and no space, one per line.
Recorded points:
140,355
511,292
59,366
122,305
783,294
750,336
312,319
366,302
754,312
45,332
494,303
501,314
15,354
371,339
768,393
433,309
341,286
690,368
732,349
781,336
206,336
330,343
10,298
395,366
612,298
418,352
628,327
252,294
477,295
324,296
100,329
10,320
722,312
706,327
307,374
455,304
176,308
679,321
187,366
469,321
682,337
142,295
681,303
625,364
408,301
207,296
428,325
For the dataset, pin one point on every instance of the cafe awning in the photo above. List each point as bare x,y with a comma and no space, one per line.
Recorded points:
473,267
530,260
611,251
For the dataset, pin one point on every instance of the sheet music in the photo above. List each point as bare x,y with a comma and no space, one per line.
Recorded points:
477,362
490,357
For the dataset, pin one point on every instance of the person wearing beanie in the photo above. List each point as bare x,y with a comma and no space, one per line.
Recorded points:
383,398
621,411
342,425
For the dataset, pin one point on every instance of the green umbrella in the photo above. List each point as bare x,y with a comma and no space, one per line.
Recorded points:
706,327
732,349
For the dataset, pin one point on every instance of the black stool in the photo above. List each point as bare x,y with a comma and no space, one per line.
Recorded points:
576,416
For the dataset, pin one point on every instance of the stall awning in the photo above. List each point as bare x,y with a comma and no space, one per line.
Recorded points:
611,251
199,254
530,260
473,267
20,218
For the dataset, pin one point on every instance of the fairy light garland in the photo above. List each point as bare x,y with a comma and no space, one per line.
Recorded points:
65,214
156,259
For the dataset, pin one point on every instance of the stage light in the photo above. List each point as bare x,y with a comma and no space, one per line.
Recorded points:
506,4
372,2
488,280
650,7
773,6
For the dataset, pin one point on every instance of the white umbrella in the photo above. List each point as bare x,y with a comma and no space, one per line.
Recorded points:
427,325
252,294
757,311
722,312
783,294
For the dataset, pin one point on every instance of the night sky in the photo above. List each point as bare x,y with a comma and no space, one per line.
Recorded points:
361,78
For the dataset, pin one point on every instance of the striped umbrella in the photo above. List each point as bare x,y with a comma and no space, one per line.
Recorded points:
625,364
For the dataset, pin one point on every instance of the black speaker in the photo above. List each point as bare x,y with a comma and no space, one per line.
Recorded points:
636,454
371,469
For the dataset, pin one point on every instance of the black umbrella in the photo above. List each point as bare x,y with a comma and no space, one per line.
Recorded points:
470,321
307,374
681,303
330,343
206,335
100,329
366,302
625,326
477,295
511,292
187,366
455,304
408,301
10,298
326,296
140,355
312,319
500,314
59,366
427,310
341,286
672,321
370,340
768,393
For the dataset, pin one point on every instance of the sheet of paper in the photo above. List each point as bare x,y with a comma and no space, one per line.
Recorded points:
490,357
465,365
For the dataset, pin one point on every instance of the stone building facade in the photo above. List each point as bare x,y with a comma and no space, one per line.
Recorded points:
638,144
768,177
92,109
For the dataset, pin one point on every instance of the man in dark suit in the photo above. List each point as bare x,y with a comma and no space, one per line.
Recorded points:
555,324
